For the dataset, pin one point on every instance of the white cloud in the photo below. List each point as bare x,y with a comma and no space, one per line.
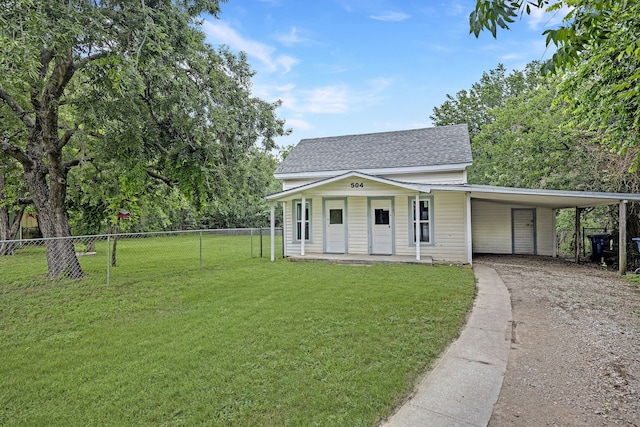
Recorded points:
331,99
298,124
541,18
221,33
391,16
326,100
292,38
510,57
457,8
286,62
380,84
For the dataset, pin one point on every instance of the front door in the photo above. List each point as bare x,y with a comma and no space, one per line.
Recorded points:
381,227
524,231
335,231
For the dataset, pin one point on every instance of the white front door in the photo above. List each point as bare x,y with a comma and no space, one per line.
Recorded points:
335,227
381,227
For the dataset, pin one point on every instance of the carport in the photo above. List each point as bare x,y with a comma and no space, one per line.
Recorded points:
488,205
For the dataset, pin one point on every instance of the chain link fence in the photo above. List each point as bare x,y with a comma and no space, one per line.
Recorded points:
124,256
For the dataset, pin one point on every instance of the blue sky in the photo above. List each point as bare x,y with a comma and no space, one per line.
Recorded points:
358,66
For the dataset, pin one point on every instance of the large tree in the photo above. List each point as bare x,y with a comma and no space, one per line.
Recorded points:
125,83
495,87
598,44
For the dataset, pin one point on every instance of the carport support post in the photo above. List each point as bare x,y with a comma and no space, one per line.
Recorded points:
303,220
622,238
577,242
273,233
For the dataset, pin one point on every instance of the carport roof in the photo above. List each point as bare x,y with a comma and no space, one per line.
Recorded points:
556,199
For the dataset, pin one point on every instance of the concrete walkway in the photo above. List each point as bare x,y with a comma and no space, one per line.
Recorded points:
464,385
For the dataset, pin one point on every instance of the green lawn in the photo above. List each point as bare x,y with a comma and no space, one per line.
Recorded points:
241,342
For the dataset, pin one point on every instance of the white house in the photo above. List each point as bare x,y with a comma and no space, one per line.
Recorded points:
372,194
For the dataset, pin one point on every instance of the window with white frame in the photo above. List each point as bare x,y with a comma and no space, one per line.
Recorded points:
297,220
424,221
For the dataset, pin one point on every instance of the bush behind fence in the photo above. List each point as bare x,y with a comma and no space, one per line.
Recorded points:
104,257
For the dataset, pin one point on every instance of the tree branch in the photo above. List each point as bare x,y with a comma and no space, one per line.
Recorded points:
16,108
164,179
161,148
84,61
75,162
16,153
66,137
24,201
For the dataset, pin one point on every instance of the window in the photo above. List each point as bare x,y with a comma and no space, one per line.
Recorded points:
424,221
335,216
381,216
297,232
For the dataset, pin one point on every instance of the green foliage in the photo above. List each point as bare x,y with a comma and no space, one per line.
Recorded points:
106,100
243,342
598,50
473,106
525,140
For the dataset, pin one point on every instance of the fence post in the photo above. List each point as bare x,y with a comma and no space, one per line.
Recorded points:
200,249
108,257
251,245
260,242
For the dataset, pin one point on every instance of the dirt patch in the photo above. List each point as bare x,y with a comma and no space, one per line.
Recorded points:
575,352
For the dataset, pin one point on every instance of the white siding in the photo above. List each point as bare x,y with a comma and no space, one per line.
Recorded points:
491,228
356,187
449,216
357,222
292,183
315,245
452,177
545,231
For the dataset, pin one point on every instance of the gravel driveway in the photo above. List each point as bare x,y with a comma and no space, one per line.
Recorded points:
575,354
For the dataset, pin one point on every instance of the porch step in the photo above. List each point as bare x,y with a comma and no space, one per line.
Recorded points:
360,259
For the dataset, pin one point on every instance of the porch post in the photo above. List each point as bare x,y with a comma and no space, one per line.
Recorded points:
554,227
273,232
284,228
417,226
577,242
303,220
622,238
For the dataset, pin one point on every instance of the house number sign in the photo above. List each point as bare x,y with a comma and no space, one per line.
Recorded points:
357,185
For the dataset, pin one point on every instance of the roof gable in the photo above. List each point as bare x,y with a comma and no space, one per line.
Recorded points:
297,191
428,147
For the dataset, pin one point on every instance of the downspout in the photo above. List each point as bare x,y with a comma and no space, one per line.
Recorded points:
417,226
469,231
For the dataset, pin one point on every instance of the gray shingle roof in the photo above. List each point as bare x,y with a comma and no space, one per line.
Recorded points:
443,145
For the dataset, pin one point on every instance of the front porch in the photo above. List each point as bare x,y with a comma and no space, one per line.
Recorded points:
360,259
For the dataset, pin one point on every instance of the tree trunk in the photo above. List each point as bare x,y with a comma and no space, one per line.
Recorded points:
8,230
49,199
114,257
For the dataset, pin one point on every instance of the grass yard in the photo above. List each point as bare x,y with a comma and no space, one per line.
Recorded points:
242,342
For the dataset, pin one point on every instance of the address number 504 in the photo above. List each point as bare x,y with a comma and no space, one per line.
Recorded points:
357,185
